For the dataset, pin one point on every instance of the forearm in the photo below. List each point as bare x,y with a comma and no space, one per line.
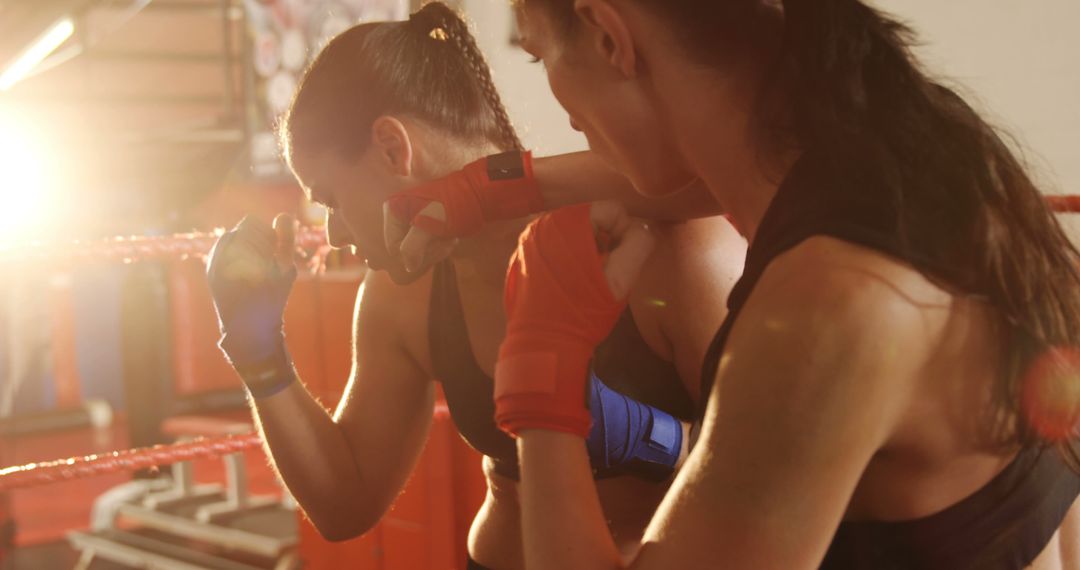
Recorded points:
574,178
562,521
684,449
316,463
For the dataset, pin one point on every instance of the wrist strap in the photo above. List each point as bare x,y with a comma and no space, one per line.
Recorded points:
268,377
629,437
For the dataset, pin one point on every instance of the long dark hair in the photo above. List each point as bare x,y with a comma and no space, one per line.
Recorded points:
841,81
428,67
963,199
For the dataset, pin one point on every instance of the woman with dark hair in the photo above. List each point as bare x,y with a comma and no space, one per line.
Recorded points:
895,383
383,107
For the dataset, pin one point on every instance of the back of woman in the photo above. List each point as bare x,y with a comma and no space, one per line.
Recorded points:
950,481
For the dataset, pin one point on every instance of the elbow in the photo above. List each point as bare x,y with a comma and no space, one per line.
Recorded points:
343,530
340,534
344,524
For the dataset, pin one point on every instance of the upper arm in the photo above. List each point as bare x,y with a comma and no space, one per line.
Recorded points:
810,386
386,410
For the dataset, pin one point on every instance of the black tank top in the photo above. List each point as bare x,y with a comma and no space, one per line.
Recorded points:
623,361
1006,523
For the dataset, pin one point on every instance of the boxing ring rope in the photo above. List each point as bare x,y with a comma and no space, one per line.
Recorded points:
130,249
36,474
136,248
1064,203
49,472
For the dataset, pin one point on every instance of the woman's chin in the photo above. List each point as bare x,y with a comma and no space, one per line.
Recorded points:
652,186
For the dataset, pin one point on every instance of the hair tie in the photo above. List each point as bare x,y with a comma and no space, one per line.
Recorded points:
426,25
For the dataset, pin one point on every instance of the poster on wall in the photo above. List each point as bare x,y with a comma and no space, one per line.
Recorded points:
283,36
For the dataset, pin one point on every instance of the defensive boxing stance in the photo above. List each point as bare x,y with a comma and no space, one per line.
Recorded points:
895,384
383,107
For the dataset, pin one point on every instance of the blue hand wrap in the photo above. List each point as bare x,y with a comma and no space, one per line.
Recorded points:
629,437
250,290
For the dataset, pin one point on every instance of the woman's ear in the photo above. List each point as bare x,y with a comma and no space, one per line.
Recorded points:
393,148
610,34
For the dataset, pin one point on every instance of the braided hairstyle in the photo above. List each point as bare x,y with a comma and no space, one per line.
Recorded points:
428,67
436,19
840,81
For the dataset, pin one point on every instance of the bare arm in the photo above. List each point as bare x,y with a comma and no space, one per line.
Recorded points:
574,178
345,470
810,387
562,180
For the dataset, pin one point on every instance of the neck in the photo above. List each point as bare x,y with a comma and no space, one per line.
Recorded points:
485,256
716,140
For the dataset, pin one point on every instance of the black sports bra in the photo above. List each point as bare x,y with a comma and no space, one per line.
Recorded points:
623,361
1006,523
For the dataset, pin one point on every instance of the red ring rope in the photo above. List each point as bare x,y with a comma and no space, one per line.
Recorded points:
1065,203
35,474
47,473
135,248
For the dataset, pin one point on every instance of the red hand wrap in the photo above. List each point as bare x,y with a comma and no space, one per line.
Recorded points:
559,307
498,187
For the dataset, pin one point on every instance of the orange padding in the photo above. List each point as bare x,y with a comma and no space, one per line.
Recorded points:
427,527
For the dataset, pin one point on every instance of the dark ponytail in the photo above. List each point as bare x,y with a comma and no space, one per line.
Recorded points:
428,67
436,16
965,206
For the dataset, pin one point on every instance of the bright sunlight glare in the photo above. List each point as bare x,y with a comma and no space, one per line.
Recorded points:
56,35
25,190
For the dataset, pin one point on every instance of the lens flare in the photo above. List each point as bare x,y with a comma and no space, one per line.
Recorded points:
25,188
44,45
1051,393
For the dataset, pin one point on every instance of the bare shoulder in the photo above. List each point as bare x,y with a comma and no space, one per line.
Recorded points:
824,263
815,378
705,252
849,296
390,313
680,298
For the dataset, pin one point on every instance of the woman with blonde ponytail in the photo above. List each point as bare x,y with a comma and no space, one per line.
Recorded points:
896,382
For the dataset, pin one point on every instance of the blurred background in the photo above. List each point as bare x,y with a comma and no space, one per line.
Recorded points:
153,117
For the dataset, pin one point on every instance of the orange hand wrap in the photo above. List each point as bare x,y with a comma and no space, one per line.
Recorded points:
497,187
558,307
